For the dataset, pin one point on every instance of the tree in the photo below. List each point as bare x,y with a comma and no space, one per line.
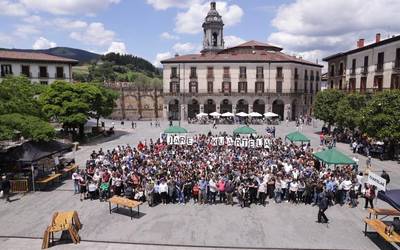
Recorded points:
381,117
326,104
348,112
103,104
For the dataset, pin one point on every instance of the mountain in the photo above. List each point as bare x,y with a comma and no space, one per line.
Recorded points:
82,56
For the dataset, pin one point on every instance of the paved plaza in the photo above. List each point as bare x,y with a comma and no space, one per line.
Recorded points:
276,226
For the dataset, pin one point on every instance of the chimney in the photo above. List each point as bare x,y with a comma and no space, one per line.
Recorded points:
360,43
213,5
378,37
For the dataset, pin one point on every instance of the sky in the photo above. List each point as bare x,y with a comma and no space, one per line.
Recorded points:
159,29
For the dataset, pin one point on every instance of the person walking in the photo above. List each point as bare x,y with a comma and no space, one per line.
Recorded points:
323,206
5,188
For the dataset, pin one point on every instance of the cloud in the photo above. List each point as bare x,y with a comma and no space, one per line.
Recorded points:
231,41
168,36
69,24
166,4
25,30
5,40
335,27
68,7
184,48
160,57
117,47
10,8
189,22
94,34
34,19
43,43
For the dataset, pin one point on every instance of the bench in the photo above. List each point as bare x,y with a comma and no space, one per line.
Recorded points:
379,227
47,179
385,212
125,202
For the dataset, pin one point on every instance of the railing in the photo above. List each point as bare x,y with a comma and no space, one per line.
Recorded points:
306,78
279,76
44,75
296,76
193,76
174,76
210,76
60,76
4,74
364,70
352,71
271,92
379,68
311,78
396,66
19,186
260,76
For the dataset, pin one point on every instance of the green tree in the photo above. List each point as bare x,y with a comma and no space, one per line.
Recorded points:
102,105
348,114
381,117
326,104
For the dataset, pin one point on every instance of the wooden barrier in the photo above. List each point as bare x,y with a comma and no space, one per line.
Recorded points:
19,186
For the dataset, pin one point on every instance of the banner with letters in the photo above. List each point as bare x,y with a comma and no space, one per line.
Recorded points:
221,141
376,180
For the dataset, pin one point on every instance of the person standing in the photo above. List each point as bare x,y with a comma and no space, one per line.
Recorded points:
5,188
385,176
75,179
369,195
323,206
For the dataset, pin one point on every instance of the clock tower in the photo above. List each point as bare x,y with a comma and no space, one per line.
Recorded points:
213,27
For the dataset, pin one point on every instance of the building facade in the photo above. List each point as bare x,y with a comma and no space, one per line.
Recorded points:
253,76
366,69
38,67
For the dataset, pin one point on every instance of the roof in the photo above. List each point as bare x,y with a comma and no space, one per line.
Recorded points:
334,157
175,130
254,44
297,137
370,46
33,57
244,131
257,55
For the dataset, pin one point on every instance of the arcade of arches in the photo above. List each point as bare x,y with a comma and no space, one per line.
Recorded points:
176,109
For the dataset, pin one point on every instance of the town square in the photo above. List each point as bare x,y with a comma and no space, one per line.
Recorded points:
223,142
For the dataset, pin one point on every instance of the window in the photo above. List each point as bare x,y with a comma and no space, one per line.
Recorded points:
378,83
174,87
242,73
395,83
381,58
193,72
312,75
305,75
341,69
353,67
317,76
331,84
210,72
296,74
352,85
210,87
340,84
332,72
193,87
259,87
226,72
215,39
305,87
363,84
260,72
296,86
43,72
60,72
397,60
311,87
6,69
174,72
279,73
226,87
278,86
25,70
365,69
44,83
316,87
242,88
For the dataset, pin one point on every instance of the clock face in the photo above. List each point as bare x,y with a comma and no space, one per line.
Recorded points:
216,18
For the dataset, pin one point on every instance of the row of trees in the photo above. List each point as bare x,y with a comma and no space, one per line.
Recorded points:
26,108
377,115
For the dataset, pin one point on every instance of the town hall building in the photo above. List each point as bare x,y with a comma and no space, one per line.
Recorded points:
250,77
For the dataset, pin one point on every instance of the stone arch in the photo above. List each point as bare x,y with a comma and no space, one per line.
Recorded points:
173,110
294,109
226,106
278,107
193,108
242,106
210,106
259,106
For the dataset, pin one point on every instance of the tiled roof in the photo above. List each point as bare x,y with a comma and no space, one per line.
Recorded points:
33,56
253,43
255,56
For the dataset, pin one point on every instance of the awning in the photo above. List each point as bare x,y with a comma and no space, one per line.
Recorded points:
297,137
334,157
175,130
242,114
270,114
244,131
215,114
227,114
201,114
392,197
255,114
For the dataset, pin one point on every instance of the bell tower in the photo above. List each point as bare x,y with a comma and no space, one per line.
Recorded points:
213,27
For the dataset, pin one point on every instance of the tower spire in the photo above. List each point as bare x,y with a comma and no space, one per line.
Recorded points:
213,27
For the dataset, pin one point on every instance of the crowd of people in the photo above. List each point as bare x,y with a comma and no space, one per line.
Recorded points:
202,174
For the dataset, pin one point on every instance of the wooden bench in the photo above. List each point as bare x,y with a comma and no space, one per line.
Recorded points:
385,212
46,180
125,202
379,227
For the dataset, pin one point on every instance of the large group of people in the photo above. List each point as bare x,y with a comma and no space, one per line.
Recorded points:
203,174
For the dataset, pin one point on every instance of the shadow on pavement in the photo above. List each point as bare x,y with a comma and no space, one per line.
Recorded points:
380,242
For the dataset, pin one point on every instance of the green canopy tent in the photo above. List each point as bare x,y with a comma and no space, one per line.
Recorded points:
244,131
297,137
333,157
175,130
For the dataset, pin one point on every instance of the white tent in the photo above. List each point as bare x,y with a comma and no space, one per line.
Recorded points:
255,114
242,114
201,115
227,114
215,114
270,114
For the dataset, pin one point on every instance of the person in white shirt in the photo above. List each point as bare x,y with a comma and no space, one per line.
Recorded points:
213,190
163,189
75,179
294,187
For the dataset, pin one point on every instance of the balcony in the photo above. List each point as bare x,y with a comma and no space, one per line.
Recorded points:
317,78
60,76
255,93
364,70
43,75
279,76
353,72
379,68
306,78
260,76
242,77
4,74
396,66
312,78
210,76
174,76
227,77
193,76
